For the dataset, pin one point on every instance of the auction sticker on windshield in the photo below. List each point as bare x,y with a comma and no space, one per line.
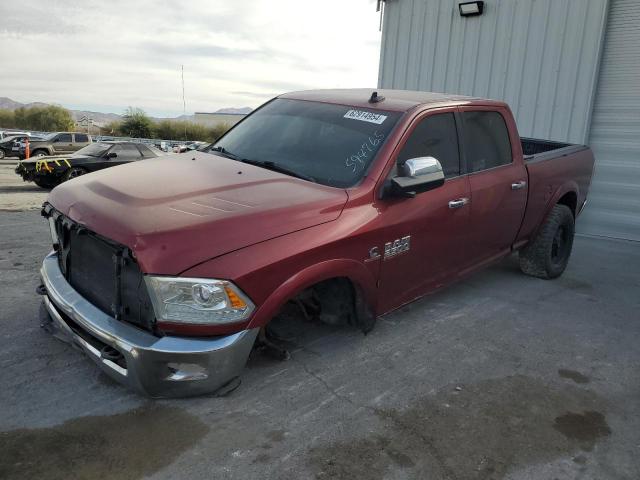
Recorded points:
364,116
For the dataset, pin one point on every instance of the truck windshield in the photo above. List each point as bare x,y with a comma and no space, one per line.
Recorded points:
329,144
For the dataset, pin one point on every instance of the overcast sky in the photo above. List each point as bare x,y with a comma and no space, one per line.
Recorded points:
105,55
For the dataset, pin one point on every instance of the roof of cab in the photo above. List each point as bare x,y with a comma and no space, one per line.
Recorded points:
394,100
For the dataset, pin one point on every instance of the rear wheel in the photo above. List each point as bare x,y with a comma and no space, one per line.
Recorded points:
74,172
1,153
547,255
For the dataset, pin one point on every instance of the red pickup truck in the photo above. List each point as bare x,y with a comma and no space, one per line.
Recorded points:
355,202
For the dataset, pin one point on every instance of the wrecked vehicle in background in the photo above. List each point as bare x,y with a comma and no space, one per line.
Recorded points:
10,146
165,272
58,143
47,172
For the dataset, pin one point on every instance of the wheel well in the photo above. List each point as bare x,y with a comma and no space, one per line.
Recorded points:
570,199
336,301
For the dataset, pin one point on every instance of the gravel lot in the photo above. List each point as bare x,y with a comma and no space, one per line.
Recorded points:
15,194
500,376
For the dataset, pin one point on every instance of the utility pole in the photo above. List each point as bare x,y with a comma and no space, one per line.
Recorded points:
184,104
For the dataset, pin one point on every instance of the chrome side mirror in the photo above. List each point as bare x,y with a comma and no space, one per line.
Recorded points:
416,167
416,175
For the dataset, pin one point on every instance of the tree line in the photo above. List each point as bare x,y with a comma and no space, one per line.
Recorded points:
135,123
51,118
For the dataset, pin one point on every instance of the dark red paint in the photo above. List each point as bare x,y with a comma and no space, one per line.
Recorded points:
274,235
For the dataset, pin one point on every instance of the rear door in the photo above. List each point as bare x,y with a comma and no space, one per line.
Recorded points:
430,228
498,182
125,152
80,140
63,143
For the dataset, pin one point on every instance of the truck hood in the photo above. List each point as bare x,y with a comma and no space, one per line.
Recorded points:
178,211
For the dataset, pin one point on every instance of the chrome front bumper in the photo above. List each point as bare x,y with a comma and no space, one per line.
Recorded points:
156,366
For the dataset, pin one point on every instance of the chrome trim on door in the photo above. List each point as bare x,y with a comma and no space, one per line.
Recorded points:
518,185
458,203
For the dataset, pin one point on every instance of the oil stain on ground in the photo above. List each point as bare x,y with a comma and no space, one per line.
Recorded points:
125,446
585,428
479,431
573,375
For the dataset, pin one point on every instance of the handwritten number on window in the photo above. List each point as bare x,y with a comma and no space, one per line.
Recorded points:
357,161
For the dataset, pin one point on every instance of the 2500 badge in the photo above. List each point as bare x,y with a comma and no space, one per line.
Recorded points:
391,249
398,246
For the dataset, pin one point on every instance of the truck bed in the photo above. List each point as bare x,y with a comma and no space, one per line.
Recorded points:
550,167
532,147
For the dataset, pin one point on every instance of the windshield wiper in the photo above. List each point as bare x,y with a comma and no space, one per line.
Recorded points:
225,153
279,168
275,167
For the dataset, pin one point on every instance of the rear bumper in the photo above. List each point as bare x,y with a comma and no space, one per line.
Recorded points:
156,366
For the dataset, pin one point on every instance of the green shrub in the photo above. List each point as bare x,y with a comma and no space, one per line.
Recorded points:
136,124
51,118
7,119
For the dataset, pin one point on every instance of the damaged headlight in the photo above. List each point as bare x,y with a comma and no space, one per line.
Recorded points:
197,301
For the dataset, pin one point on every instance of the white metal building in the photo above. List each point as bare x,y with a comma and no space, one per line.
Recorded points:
569,69
215,118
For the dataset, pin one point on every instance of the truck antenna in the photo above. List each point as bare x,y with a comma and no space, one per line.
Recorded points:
375,98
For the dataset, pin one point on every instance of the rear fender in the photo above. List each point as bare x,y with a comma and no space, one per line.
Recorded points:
357,273
567,187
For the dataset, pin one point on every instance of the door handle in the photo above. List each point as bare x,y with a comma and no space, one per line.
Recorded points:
519,185
459,203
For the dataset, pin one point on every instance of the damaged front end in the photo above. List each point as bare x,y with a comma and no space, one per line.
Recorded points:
95,296
44,172
27,172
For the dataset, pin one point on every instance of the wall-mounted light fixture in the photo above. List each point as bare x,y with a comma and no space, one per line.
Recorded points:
470,9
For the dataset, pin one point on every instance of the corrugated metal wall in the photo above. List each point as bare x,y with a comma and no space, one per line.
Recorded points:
540,56
614,202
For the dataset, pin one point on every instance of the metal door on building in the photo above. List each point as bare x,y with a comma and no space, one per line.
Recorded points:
613,208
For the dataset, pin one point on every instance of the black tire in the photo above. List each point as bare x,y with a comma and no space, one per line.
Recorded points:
547,255
2,155
44,184
39,153
73,172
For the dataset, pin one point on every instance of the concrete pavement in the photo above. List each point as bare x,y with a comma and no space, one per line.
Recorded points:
500,376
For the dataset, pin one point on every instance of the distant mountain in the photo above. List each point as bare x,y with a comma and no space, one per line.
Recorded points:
101,119
8,104
242,110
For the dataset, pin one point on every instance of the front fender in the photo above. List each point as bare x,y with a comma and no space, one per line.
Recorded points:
355,271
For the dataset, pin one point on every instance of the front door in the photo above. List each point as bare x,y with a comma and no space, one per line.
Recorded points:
429,230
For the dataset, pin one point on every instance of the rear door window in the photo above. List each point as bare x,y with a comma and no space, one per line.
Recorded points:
64,138
435,136
486,138
81,138
126,152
